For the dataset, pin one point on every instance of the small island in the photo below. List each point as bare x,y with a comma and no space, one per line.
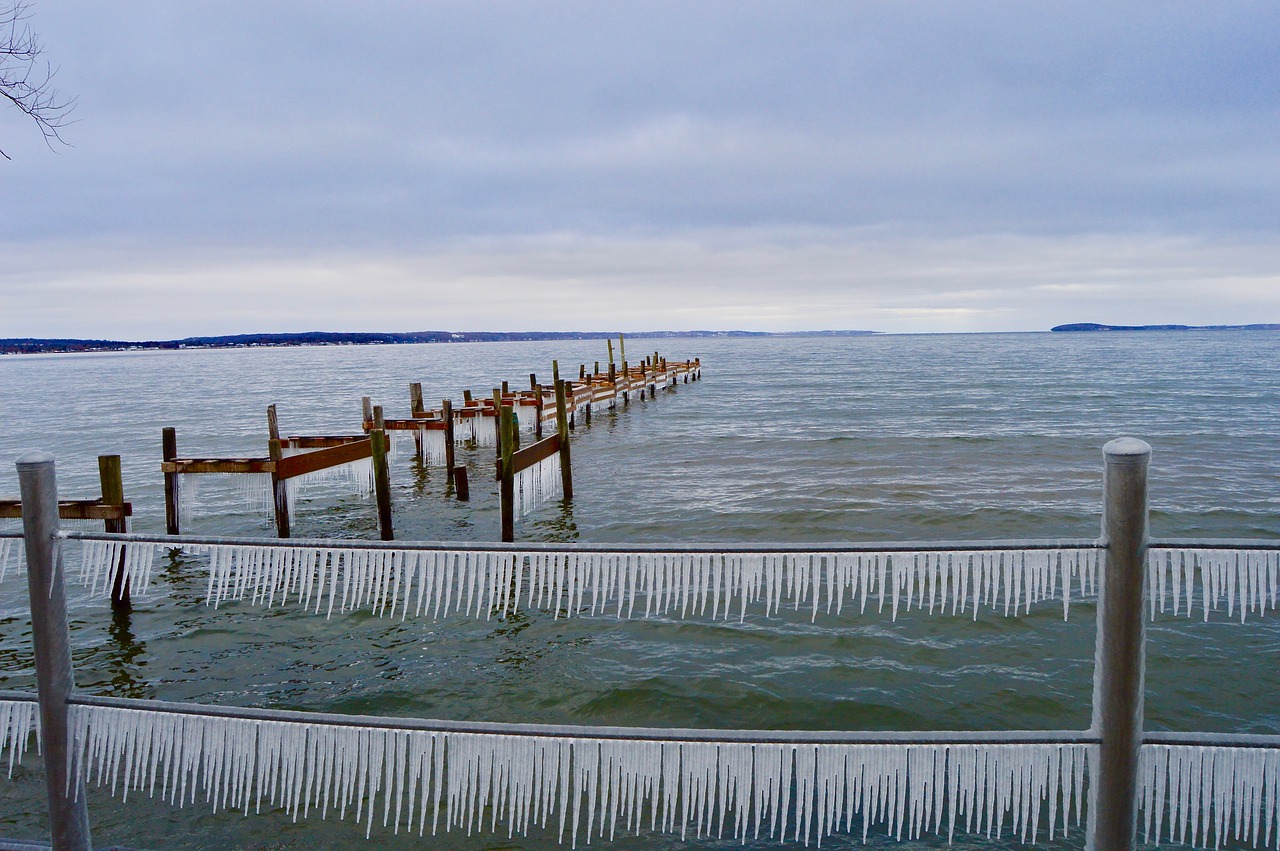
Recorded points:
1094,326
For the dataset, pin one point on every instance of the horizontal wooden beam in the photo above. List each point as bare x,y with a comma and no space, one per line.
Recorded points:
293,466
419,423
523,459
218,465
319,441
73,509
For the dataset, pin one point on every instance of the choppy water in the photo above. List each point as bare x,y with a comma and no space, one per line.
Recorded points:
788,440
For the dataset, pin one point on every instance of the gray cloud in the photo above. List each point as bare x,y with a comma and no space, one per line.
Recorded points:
295,136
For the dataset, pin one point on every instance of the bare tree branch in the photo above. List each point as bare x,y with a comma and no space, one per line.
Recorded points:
25,81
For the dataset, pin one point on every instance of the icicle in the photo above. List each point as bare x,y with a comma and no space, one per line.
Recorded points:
12,552
537,484
18,720
356,475
1241,581
433,446
1199,790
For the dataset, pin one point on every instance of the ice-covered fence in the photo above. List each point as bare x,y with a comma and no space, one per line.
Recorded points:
802,785
583,782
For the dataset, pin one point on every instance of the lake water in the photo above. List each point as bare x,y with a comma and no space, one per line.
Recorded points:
785,440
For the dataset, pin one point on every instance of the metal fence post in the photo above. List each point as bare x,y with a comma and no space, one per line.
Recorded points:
68,810
1119,655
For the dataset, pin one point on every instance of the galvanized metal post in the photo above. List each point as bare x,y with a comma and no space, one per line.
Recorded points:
1119,655
68,810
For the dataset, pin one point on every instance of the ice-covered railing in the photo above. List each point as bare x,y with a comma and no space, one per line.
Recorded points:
428,579
585,783
718,581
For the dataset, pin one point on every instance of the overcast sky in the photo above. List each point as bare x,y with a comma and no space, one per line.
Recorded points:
952,166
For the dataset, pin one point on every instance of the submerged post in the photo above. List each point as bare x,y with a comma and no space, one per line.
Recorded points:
68,809
169,452
112,481
1119,655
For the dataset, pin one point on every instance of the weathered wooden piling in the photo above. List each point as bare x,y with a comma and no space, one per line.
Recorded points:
562,430
169,452
446,413
460,486
112,482
381,475
507,428
279,490
416,409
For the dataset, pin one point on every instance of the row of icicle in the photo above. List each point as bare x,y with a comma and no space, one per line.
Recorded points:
1199,795
477,583
1191,793
1240,581
581,788
482,583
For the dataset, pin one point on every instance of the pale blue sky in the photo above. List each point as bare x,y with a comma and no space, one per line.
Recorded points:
954,166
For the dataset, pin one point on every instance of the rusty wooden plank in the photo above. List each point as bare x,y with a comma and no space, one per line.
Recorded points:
322,459
73,509
319,441
218,465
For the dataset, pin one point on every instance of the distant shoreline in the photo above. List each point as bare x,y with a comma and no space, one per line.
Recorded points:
1094,326
34,345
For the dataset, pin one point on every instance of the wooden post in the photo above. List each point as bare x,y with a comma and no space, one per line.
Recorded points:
460,483
622,349
381,474
506,388
466,396
597,371
113,494
55,679
612,372
446,411
537,412
582,372
533,381
507,489
497,426
415,408
366,409
278,487
626,376
562,429
169,451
